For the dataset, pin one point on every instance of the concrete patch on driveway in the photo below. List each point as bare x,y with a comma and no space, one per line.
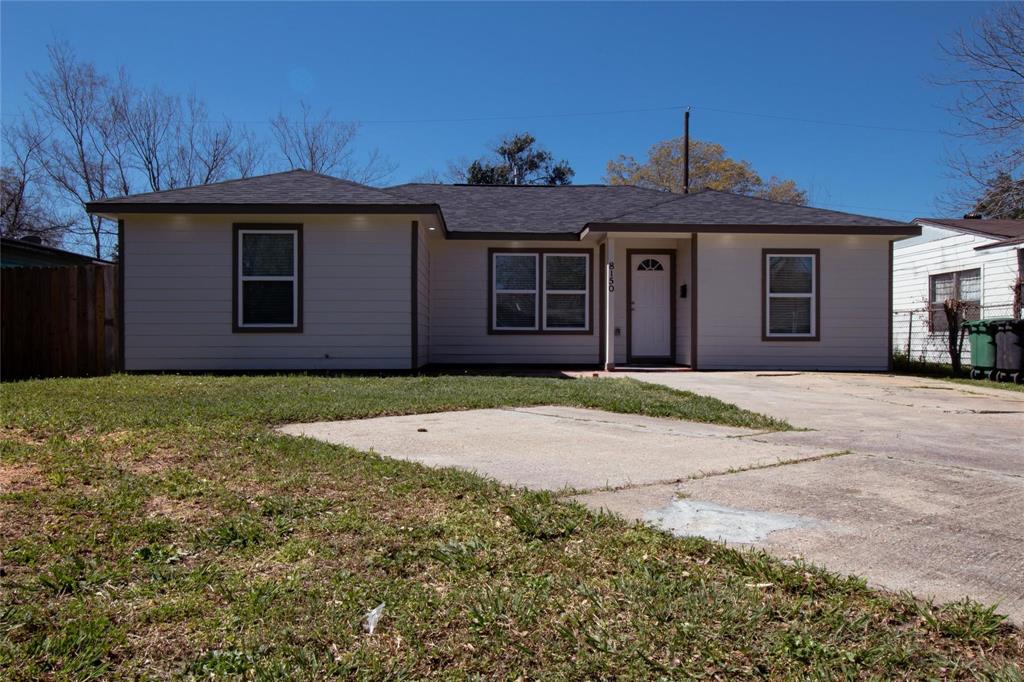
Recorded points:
554,448
713,521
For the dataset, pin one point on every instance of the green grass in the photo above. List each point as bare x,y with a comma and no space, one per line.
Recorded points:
156,526
936,370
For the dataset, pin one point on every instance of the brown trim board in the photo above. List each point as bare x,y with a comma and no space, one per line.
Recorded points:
540,293
764,294
889,351
602,303
895,230
235,328
693,301
414,331
120,295
671,253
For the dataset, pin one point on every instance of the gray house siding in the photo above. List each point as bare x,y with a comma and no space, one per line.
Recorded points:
460,310
356,295
854,304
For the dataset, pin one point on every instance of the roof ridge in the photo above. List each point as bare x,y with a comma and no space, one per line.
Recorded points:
675,197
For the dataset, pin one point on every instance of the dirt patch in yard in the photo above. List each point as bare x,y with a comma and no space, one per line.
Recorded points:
20,477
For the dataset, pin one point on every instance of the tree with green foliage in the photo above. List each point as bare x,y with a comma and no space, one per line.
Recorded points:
710,168
517,160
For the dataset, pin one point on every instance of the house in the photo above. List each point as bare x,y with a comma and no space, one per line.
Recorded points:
32,252
297,270
974,260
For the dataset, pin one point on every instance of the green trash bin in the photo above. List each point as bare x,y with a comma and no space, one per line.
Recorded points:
982,339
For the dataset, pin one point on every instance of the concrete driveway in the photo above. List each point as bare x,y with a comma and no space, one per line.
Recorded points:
928,498
915,484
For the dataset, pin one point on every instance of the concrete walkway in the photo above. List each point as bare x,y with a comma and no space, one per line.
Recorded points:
915,484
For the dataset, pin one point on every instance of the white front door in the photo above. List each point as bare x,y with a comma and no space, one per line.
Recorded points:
650,330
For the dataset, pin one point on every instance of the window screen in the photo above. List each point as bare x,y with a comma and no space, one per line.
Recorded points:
515,291
565,291
267,283
791,296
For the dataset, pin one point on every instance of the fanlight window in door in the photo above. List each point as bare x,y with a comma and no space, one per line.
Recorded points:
649,264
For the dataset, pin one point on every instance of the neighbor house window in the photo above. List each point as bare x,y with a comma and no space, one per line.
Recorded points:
267,278
540,291
791,295
964,286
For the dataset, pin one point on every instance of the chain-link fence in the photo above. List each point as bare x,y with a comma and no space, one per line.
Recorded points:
914,337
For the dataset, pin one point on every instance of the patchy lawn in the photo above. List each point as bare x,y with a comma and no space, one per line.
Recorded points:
156,525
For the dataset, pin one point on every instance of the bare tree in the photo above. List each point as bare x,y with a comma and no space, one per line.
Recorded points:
989,74
323,145
26,207
249,154
72,128
956,311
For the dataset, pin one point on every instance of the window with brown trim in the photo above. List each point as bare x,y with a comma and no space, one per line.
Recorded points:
790,295
267,278
964,286
541,292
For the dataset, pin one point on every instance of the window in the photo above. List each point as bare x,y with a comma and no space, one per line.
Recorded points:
515,291
964,285
649,264
791,295
268,260
566,293
540,291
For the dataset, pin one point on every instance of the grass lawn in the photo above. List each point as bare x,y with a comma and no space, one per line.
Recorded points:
156,526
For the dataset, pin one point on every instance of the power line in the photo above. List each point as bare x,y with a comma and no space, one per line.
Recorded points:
607,112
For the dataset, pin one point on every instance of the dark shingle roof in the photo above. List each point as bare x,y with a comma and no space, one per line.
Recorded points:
567,210
476,210
711,207
529,209
295,187
997,228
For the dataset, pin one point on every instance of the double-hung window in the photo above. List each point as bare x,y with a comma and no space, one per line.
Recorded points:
566,295
791,295
540,291
268,293
963,286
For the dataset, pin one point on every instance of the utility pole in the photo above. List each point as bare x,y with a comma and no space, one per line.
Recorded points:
686,151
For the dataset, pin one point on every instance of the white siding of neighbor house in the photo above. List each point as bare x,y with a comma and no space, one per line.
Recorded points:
178,292
423,297
946,251
460,311
854,322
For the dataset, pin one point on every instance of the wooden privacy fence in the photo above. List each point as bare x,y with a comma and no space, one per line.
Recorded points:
60,321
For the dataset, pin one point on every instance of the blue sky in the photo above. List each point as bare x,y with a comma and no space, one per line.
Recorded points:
410,72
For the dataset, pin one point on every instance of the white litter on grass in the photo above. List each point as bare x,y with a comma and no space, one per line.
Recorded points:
372,617
715,522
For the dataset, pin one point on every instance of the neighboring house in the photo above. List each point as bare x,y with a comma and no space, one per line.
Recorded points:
974,260
31,252
302,271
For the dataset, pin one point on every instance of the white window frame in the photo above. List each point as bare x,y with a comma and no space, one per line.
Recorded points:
812,296
293,278
585,291
536,291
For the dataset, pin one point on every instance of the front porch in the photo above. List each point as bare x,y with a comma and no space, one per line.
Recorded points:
647,300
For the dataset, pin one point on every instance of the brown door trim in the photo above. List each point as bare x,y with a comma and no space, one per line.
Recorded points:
671,253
